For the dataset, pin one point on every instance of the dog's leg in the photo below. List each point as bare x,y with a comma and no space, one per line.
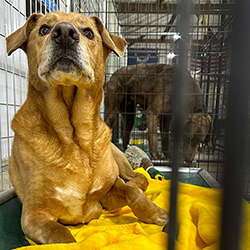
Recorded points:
152,123
112,103
109,118
128,119
43,228
123,194
164,128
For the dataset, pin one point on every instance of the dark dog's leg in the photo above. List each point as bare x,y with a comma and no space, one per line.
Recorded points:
109,118
127,130
125,194
152,123
164,128
112,102
128,118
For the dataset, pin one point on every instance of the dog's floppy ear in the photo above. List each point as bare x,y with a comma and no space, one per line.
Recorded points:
112,42
19,38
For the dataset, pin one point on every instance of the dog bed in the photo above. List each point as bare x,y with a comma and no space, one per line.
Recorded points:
199,212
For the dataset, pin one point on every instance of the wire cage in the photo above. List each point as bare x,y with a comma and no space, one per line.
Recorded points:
150,28
14,71
163,50
151,31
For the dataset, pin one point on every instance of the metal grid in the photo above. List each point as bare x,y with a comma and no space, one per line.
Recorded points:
151,31
13,71
150,28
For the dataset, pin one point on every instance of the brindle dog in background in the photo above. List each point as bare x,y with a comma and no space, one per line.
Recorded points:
151,86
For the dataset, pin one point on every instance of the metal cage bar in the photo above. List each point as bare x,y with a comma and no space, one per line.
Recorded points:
237,132
180,101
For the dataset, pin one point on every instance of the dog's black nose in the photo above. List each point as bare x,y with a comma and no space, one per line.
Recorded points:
65,35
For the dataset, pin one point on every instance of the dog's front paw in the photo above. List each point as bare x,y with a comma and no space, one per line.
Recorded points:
158,217
161,220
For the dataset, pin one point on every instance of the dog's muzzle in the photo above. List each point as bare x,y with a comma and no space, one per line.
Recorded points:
65,35
65,39
65,55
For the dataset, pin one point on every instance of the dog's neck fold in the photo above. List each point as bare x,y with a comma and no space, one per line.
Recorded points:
78,108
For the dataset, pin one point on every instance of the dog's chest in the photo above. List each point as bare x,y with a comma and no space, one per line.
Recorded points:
75,207
80,200
72,201
68,194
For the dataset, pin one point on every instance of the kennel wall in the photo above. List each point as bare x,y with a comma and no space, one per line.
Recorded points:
13,70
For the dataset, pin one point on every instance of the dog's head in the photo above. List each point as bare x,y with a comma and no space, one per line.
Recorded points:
197,129
65,49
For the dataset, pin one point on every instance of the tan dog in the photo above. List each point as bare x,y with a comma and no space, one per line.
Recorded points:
63,165
151,86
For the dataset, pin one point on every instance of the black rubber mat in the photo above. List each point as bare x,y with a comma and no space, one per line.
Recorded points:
190,178
11,235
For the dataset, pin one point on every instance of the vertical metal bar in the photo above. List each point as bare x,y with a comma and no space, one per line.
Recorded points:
208,72
7,90
41,7
218,90
180,89
237,127
72,5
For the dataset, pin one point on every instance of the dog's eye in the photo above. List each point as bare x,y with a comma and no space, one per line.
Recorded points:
44,30
88,33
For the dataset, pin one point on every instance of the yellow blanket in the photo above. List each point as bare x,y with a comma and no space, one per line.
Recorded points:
199,211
